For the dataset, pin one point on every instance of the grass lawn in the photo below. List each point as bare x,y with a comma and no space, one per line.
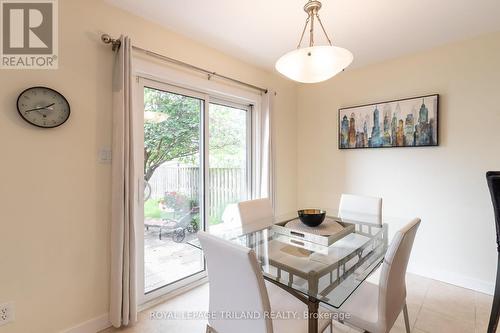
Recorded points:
152,209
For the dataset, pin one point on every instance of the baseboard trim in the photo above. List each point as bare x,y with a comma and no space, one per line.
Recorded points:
101,323
455,279
91,326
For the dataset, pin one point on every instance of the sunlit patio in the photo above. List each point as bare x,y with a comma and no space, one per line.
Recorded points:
166,261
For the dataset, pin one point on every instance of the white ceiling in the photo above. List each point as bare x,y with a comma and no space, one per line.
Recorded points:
260,31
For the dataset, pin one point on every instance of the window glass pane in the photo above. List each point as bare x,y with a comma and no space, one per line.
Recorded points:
228,162
172,142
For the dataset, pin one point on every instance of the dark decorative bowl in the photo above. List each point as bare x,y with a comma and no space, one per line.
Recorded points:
312,217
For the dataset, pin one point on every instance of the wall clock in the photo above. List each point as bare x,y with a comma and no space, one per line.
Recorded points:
43,107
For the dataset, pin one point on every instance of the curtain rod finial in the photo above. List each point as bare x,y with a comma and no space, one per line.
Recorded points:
107,39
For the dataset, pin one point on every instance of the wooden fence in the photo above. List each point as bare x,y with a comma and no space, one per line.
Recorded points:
226,186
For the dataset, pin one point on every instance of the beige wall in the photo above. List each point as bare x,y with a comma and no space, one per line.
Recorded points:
54,194
445,185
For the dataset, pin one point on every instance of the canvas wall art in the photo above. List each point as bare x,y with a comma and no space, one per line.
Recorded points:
409,122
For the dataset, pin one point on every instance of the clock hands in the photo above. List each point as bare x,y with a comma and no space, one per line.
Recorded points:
41,108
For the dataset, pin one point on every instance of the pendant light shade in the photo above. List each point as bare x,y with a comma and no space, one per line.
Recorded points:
314,63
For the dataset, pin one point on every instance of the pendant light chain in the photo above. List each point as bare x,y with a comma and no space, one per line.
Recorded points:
311,32
313,12
303,33
324,31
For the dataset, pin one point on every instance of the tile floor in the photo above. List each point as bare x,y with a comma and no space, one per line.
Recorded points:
434,307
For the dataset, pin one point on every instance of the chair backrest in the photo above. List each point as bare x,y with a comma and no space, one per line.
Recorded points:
392,292
258,211
360,207
493,179
236,287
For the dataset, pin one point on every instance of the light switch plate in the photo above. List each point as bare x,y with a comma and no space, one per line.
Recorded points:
105,155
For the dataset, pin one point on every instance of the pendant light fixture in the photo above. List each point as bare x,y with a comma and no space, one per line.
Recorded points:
314,63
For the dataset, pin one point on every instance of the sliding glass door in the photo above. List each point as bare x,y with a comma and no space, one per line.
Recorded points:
196,167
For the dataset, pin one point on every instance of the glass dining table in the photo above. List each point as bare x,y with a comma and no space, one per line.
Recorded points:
310,263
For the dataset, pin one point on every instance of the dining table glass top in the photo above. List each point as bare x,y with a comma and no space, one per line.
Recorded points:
326,263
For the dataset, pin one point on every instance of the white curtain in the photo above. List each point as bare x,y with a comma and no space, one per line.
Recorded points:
264,180
123,302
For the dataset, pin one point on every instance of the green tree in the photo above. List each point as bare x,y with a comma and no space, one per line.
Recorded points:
228,132
172,131
173,136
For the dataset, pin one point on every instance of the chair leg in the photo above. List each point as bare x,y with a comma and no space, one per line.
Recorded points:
495,309
407,319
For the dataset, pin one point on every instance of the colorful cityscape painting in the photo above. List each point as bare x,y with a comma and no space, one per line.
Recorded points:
410,122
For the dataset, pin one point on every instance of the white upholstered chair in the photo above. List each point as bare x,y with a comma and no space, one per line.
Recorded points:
361,208
374,308
256,214
237,287
251,215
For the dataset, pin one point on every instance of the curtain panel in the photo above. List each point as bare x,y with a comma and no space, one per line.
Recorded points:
264,170
123,298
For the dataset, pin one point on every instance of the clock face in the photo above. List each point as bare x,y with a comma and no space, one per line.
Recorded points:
43,107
